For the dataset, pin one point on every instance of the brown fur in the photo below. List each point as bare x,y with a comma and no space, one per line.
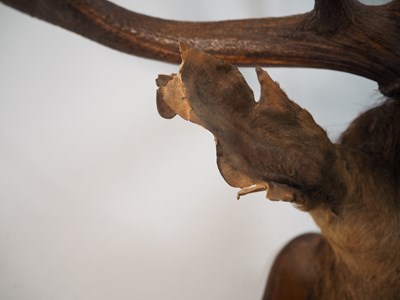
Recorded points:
357,255
365,235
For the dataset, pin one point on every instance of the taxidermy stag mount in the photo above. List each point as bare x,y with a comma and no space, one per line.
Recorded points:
351,188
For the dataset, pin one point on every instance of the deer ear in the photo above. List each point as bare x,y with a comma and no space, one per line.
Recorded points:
162,107
271,93
272,96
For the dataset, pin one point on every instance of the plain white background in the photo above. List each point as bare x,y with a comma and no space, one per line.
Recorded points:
100,198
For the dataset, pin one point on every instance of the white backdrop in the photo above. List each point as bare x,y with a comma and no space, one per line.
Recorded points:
100,198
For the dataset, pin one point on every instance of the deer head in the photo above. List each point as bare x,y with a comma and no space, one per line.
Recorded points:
273,144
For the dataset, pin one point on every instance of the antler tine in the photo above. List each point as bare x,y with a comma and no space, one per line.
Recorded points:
330,15
340,35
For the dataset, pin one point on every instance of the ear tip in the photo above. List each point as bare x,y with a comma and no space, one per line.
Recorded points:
184,46
262,74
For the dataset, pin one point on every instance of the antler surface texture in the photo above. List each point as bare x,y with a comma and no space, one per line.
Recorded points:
341,35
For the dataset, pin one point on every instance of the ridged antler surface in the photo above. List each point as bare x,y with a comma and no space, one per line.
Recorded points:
341,35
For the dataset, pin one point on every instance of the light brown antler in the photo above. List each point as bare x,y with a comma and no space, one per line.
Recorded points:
342,35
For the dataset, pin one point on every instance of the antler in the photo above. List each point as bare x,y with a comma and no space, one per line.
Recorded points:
342,35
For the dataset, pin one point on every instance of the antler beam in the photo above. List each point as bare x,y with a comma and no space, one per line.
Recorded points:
340,35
